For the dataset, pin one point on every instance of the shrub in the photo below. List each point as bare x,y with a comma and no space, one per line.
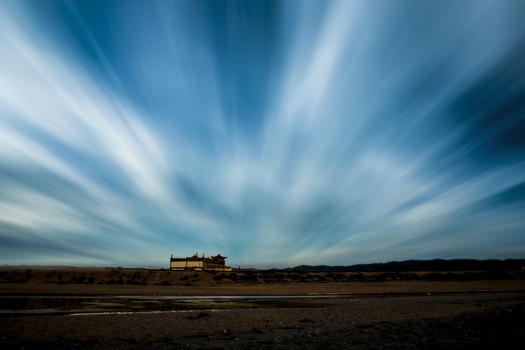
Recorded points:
248,277
80,279
321,278
381,277
356,277
219,277
434,276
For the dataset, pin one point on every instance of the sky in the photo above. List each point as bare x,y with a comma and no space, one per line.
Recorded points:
277,133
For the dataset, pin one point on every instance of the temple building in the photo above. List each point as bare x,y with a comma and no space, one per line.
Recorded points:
197,263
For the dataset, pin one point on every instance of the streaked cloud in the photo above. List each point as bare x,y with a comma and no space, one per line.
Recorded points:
325,132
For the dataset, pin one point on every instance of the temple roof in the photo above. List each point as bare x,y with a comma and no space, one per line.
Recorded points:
218,256
196,257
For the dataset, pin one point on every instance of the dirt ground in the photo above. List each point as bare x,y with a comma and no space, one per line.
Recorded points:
466,320
414,314
110,280
120,281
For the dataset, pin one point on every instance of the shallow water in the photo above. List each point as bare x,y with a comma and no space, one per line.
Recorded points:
229,297
45,304
178,297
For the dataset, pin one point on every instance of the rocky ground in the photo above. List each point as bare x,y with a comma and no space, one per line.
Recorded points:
115,308
456,320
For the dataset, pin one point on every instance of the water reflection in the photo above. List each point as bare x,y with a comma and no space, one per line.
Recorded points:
142,303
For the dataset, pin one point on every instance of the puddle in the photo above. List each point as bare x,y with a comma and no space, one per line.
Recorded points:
227,297
39,305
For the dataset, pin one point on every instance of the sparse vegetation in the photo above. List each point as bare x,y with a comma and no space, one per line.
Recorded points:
219,277
79,280
113,276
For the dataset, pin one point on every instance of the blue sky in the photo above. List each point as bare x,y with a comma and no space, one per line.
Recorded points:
277,133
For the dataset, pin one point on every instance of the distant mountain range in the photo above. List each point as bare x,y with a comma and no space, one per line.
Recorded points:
423,265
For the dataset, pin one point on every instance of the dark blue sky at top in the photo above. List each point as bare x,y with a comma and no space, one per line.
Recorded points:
274,132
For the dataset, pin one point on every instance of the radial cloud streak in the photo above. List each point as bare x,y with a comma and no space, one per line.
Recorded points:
277,133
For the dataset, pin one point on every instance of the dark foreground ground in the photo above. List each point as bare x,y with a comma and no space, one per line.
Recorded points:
472,320
116,308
